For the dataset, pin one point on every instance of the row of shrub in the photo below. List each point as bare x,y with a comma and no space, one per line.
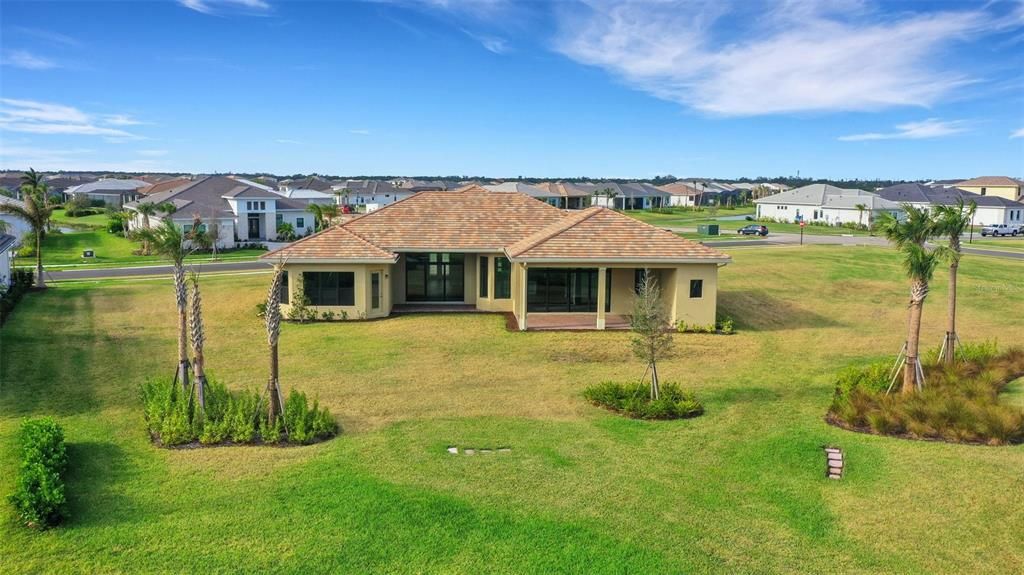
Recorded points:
21,282
634,400
723,325
816,223
958,403
39,486
173,418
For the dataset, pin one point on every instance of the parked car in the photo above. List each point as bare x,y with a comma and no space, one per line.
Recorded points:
1001,230
753,230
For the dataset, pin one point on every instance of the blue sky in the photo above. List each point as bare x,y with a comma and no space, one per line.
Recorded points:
829,88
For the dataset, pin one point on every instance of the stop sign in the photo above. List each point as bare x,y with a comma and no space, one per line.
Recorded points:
802,223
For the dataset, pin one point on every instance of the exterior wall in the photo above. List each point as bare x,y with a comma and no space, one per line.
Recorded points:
784,212
694,311
1008,192
489,303
362,297
987,216
5,267
835,216
680,201
292,218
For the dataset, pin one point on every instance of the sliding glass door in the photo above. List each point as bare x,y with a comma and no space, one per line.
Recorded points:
435,277
564,290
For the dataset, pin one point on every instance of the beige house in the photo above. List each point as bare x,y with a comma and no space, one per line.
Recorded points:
476,250
1000,186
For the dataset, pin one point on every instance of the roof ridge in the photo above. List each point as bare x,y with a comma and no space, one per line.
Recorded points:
579,217
360,237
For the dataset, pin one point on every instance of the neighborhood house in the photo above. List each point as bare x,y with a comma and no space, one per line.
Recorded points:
827,204
500,252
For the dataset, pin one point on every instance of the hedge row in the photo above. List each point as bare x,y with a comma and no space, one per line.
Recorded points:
39,488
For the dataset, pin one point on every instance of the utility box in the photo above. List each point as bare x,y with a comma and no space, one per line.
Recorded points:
88,254
708,229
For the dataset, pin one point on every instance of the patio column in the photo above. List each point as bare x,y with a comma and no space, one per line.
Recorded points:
601,294
522,295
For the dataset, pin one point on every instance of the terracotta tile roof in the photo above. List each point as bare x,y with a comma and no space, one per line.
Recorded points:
679,189
336,242
990,181
598,233
471,218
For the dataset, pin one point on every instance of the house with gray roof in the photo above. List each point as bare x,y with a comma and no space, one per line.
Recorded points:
112,192
990,210
826,204
243,213
629,196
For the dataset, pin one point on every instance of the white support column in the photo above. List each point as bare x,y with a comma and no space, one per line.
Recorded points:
602,288
523,294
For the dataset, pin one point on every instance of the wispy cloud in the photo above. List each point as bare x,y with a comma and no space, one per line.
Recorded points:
32,117
121,120
21,157
48,35
359,132
930,128
490,43
287,141
1017,134
28,61
153,153
214,6
786,56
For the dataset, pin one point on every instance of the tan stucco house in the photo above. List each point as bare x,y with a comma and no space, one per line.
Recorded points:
479,250
1000,186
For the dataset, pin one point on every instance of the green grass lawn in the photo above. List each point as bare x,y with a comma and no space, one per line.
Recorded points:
65,250
94,221
679,217
738,490
1006,244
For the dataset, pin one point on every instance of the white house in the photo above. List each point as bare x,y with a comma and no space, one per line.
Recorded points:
990,209
16,226
681,194
243,213
113,192
7,245
825,203
370,195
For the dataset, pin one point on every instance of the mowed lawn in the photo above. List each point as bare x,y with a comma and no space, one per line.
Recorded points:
739,490
65,249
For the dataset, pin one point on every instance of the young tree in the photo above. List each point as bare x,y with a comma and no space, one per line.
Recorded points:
318,217
198,339
172,242
146,209
35,209
273,323
652,330
861,208
951,222
919,262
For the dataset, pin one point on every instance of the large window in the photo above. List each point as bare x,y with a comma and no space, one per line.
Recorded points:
375,290
483,275
330,288
502,278
434,277
284,287
565,290
639,276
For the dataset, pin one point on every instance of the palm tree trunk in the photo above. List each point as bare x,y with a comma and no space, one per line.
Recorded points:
919,291
198,339
950,345
181,295
273,389
40,282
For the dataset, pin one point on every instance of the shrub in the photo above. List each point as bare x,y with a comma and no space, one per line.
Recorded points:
39,493
172,418
21,283
634,400
959,403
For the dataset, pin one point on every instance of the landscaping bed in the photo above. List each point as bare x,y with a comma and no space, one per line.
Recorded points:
634,400
959,403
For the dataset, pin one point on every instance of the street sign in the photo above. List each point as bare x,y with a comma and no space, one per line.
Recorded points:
802,223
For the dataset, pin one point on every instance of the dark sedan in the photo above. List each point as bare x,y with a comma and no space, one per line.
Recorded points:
753,230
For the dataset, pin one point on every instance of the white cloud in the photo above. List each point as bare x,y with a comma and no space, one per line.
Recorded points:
121,120
1018,134
490,43
31,117
210,6
47,159
152,153
359,132
28,61
785,56
48,35
930,128
287,141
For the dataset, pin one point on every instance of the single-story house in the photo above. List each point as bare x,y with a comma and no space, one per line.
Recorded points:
1000,186
476,249
825,203
243,213
681,194
112,192
566,195
629,196
7,245
313,182
990,209
369,194
16,226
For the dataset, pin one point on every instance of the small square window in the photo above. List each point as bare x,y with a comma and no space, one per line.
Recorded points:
696,289
300,223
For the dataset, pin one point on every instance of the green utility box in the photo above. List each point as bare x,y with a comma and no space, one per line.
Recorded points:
708,229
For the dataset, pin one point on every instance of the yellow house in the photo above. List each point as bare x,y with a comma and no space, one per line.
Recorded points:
476,250
1000,186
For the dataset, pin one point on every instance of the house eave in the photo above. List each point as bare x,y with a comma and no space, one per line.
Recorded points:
271,259
631,261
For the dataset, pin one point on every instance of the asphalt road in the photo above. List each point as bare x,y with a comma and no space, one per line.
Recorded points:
775,239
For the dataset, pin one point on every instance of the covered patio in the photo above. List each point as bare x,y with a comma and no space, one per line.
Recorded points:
575,321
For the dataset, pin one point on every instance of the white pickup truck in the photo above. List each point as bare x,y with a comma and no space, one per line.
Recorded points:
1002,230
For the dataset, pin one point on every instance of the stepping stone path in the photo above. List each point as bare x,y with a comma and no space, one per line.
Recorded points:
454,450
834,462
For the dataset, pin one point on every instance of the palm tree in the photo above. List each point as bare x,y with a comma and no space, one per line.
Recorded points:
146,209
36,210
198,339
861,208
273,322
951,222
170,241
318,216
919,262
329,213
